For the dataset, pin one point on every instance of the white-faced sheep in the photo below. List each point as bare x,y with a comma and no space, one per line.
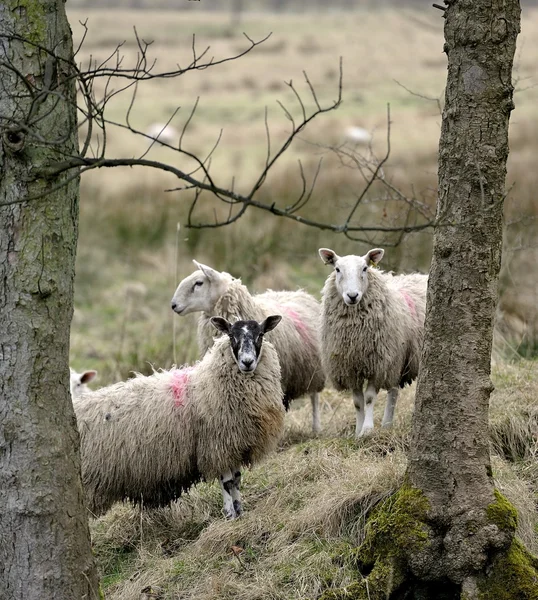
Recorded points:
371,330
296,340
78,381
149,439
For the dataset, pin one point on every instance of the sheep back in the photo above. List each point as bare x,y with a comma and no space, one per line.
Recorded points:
296,339
380,339
136,443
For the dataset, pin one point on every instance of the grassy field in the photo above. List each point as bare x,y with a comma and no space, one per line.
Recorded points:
306,505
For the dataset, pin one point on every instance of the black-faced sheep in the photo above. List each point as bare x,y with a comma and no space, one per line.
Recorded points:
371,330
149,439
296,340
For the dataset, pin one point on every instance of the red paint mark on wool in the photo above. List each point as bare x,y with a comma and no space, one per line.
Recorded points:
180,378
298,322
410,302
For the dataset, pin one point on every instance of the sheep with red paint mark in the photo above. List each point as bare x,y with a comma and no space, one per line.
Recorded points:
149,439
371,331
296,340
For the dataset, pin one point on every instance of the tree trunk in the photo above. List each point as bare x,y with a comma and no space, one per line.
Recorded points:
45,550
447,534
449,458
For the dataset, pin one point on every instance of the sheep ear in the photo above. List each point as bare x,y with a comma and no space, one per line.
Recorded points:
374,256
221,324
270,323
210,273
88,376
328,256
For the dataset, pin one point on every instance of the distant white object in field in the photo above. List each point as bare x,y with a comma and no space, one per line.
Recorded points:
163,133
358,135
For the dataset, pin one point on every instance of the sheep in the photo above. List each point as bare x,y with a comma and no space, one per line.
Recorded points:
371,330
78,381
296,340
151,438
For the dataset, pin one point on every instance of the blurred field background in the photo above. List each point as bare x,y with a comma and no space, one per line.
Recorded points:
305,506
130,253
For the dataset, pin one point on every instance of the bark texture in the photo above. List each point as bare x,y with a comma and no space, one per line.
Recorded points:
45,550
449,458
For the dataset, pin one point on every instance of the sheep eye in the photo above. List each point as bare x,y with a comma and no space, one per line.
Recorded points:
197,284
365,269
337,269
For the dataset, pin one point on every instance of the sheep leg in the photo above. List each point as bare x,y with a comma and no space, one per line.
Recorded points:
388,416
226,486
369,397
236,493
358,401
316,423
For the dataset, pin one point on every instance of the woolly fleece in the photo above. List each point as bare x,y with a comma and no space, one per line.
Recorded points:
379,339
296,339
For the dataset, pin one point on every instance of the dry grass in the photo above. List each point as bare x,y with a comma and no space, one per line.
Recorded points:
127,266
305,510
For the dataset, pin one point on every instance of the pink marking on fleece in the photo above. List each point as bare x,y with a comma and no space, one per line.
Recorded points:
298,322
180,378
410,302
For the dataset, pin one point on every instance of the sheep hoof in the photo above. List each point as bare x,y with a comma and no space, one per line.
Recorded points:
238,508
365,432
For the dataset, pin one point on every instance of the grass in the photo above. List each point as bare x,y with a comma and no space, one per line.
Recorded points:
130,256
305,509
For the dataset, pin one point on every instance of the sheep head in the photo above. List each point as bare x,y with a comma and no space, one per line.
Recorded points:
351,272
200,291
246,339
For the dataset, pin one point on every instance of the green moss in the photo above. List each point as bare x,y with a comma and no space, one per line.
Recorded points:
394,528
502,513
514,574
396,523
33,14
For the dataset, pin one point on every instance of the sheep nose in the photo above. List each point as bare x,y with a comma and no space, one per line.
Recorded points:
247,362
174,305
352,297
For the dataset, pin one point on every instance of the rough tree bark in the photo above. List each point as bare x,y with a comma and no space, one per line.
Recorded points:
45,550
449,458
447,534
